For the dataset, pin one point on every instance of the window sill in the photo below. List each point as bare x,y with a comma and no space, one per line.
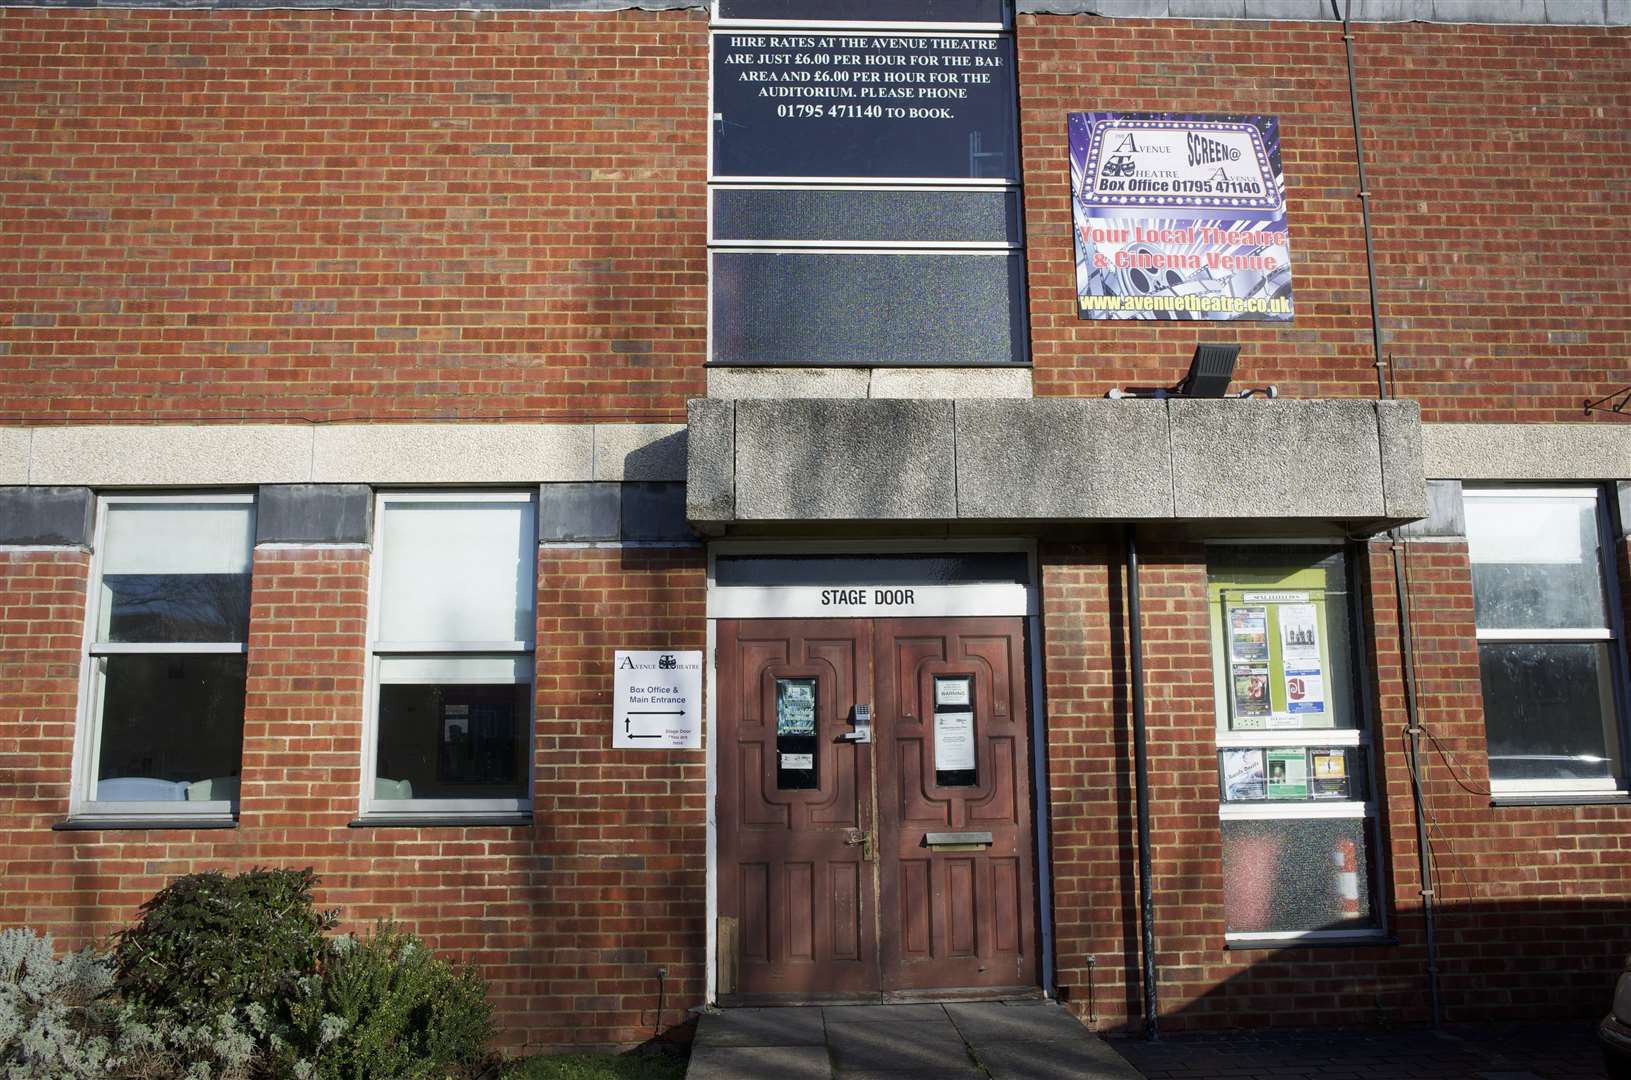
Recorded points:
92,824
1312,941
1562,798
422,821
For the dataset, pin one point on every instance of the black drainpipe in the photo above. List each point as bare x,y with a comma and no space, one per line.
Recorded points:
1141,774
1424,853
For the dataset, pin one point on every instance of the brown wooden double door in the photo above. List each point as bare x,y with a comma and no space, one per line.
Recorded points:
837,876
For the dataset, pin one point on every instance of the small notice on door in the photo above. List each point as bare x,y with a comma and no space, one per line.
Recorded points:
657,700
953,741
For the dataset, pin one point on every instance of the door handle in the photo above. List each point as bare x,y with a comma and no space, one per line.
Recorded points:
862,838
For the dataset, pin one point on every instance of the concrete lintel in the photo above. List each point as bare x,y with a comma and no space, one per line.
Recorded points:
1593,451
14,451
780,383
171,455
46,516
453,453
964,384
647,452
314,514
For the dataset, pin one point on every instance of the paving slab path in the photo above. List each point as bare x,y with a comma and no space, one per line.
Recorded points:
1015,1040
1454,1052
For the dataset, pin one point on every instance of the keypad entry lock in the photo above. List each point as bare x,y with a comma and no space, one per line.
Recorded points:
862,722
861,838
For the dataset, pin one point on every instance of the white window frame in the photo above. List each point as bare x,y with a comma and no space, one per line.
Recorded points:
1609,632
387,810
1357,737
82,806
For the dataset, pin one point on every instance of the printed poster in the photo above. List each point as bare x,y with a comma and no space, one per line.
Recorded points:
1305,689
1248,634
1244,779
1287,773
1299,633
795,707
1179,216
1330,773
1251,694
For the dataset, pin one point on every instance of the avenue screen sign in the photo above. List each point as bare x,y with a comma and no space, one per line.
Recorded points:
1179,216
867,106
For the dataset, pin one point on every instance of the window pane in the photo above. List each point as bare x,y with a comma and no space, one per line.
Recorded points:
864,308
172,728
178,538
1536,562
1285,875
878,216
457,572
457,741
176,572
1548,710
175,607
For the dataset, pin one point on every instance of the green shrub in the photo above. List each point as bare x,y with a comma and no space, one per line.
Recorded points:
389,1009
56,1022
208,944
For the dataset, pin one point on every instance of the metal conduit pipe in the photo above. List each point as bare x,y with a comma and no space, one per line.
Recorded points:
1141,774
1424,853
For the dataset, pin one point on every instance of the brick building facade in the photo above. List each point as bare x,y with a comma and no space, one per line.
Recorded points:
328,262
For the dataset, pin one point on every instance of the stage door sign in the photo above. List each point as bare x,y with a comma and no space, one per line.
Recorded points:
657,700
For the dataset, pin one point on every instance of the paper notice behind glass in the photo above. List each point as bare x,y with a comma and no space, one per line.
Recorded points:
1288,773
798,761
1243,776
953,741
1305,689
1299,633
1251,695
1248,634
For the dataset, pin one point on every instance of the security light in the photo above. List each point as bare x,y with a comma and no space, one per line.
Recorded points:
1211,370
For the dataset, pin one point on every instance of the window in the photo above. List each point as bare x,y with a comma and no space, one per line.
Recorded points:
1548,642
1293,746
451,634
166,644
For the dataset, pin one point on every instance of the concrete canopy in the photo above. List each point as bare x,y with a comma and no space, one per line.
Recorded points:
1356,463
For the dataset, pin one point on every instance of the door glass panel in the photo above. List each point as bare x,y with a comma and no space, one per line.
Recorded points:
796,734
954,759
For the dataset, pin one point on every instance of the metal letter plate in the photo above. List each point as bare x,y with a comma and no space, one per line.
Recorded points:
944,839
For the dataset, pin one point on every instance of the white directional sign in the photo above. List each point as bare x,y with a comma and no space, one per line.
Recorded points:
657,700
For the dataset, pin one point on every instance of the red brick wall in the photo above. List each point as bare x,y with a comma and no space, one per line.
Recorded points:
1492,154
331,214
335,214
42,625
568,918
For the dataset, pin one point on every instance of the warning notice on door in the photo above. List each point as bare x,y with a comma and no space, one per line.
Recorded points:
657,700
